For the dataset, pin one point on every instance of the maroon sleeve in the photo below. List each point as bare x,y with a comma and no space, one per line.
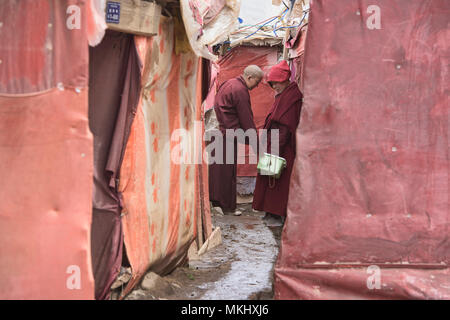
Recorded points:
287,125
244,109
284,136
245,114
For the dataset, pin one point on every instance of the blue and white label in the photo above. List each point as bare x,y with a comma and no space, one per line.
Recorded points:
113,12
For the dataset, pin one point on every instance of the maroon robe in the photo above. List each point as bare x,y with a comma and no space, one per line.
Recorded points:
284,116
233,111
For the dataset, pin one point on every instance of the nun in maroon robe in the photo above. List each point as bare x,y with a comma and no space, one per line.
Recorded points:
233,111
271,195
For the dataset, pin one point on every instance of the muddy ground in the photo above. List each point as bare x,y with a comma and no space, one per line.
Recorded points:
241,268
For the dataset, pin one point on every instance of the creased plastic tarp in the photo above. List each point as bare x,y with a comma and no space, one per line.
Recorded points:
161,197
370,185
45,153
253,15
232,65
209,22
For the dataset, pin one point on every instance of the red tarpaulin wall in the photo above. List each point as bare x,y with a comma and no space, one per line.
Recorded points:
46,152
371,180
232,65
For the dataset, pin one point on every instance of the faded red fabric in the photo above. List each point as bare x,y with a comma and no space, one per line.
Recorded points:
284,116
36,56
233,111
370,184
163,198
45,153
279,72
113,97
297,57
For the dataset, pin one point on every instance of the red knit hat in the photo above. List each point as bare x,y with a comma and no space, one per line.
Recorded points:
279,72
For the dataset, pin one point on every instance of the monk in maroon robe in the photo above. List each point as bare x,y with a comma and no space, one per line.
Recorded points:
233,111
271,195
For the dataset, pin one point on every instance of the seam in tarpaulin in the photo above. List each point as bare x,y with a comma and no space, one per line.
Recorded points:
37,93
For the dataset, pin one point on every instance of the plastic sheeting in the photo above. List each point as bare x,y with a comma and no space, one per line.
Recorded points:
45,153
232,65
96,23
253,12
370,187
260,23
209,22
162,199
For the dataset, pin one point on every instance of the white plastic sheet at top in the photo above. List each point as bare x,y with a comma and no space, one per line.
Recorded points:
262,23
200,35
96,21
254,11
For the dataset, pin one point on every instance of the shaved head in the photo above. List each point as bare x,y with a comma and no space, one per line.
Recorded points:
252,76
253,71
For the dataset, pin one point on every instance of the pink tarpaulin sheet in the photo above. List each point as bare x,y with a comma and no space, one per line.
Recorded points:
46,152
370,187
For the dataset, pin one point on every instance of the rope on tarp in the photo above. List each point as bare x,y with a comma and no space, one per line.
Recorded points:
275,26
296,26
269,34
275,29
260,24
260,27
